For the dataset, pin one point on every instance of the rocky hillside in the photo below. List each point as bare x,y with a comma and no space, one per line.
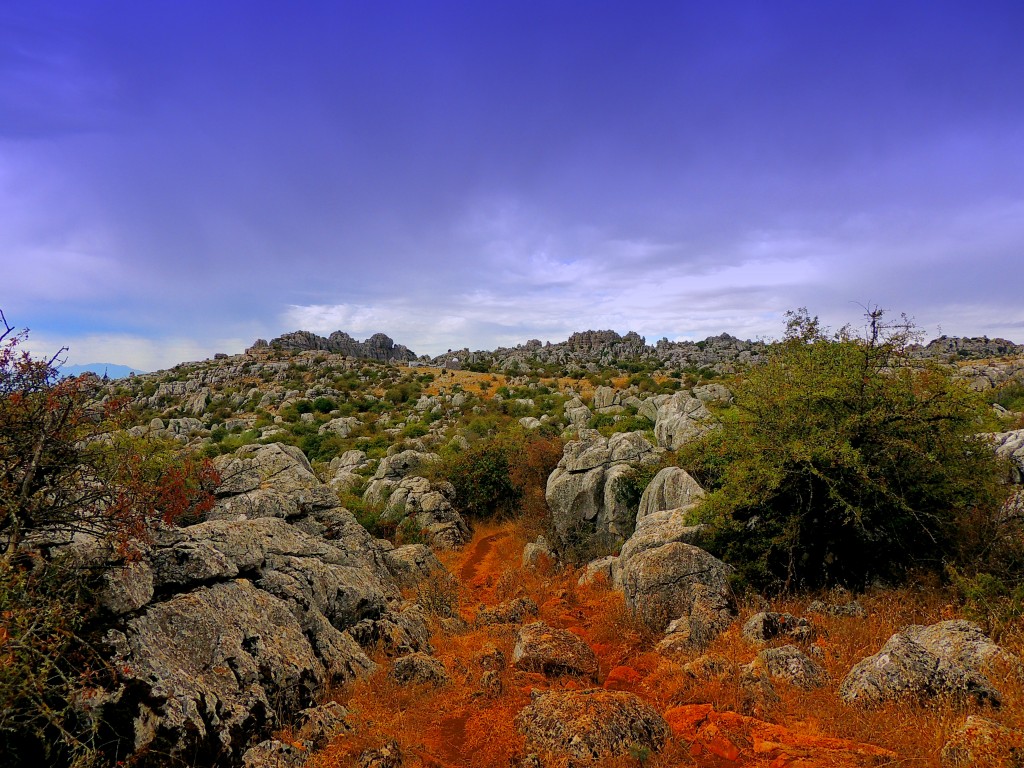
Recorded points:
348,601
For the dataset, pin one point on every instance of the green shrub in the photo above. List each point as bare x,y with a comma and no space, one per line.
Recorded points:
846,460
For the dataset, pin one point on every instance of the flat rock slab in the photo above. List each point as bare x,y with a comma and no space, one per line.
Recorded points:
540,648
591,724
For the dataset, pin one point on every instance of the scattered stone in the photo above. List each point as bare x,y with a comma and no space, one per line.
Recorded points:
553,651
741,739
490,657
538,554
591,724
604,569
412,564
319,725
945,659
791,664
766,625
419,669
509,612
491,684
386,756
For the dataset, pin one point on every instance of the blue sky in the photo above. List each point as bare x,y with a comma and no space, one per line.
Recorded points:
180,178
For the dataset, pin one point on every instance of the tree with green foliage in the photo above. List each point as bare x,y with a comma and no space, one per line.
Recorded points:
844,459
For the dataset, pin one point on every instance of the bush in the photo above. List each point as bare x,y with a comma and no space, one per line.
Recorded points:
846,460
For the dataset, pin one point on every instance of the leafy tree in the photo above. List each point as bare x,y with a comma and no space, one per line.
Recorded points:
844,459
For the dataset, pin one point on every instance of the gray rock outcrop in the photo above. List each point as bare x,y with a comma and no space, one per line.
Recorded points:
951,658
581,492
680,419
550,650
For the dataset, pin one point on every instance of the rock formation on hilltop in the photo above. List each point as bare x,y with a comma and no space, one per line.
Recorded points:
378,347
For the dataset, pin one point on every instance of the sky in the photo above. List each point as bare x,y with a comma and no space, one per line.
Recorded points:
181,178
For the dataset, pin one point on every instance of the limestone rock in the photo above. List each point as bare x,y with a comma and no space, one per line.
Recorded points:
210,668
680,419
679,585
581,492
509,612
671,488
767,625
343,426
419,669
791,664
540,648
592,724
945,659
412,563
274,754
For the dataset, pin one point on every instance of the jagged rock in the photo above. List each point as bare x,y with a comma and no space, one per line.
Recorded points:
429,506
209,669
530,422
581,492
713,393
419,669
945,659
1010,446
412,563
660,528
397,633
671,488
343,426
274,754
682,587
791,664
319,725
127,587
510,612
549,650
591,724
680,419
377,347
983,743
282,468
767,625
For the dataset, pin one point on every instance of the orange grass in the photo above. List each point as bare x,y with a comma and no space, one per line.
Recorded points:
462,725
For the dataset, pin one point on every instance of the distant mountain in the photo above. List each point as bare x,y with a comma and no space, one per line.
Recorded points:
112,371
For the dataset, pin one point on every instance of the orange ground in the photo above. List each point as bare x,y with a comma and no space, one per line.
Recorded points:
463,725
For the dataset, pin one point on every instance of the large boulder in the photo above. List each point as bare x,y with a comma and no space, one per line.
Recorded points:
591,725
671,488
428,507
203,672
1010,446
950,658
680,419
582,490
279,468
681,587
219,632
550,650
982,743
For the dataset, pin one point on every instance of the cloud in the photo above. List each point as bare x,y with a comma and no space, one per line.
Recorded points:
139,352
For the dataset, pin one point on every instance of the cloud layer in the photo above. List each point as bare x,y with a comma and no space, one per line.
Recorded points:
177,181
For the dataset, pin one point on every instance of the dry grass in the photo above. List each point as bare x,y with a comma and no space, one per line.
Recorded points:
462,724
